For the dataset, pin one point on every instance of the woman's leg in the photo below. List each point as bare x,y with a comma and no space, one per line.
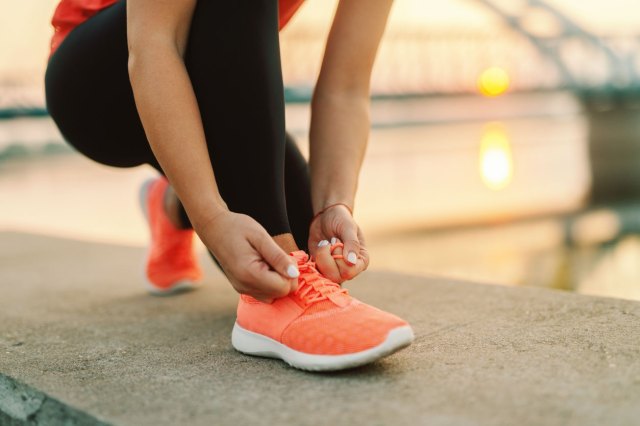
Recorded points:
233,61
89,96
298,191
235,69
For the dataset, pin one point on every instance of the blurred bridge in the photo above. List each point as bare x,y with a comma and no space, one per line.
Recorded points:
604,74
539,46
585,61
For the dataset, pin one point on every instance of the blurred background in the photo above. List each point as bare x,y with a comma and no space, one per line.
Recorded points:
505,141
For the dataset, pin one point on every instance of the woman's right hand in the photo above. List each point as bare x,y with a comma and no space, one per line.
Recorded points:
251,259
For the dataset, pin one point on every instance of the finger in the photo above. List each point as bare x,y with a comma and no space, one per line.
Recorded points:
283,279
312,243
274,255
351,244
335,248
364,253
267,283
347,270
326,263
262,298
261,288
251,281
364,256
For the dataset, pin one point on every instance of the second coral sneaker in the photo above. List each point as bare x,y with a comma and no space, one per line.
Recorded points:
319,327
171,263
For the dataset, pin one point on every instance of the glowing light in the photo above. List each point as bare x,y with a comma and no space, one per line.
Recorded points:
493,81
496,161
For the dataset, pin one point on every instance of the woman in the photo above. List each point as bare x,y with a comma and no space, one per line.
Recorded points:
192,87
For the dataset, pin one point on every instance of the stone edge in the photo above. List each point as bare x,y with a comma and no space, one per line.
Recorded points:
20,404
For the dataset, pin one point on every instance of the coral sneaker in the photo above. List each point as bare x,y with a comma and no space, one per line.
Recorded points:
171,263
319,327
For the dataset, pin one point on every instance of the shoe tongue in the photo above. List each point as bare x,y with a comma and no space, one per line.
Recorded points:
339,299
334,297
300,255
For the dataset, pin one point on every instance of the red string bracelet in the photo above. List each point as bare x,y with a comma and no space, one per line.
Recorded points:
315,216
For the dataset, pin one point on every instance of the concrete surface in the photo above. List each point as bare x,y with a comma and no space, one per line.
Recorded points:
77,327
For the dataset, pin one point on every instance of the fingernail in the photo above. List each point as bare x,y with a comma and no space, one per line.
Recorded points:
351,257
333,240
292,271
323,243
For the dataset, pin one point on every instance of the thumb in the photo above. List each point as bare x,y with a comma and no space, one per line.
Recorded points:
351,243
271,252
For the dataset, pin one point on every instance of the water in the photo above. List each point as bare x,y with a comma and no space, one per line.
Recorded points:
491,190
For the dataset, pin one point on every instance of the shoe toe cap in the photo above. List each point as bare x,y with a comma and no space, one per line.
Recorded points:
354,329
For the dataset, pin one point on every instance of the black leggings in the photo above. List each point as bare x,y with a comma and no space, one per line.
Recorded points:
233,60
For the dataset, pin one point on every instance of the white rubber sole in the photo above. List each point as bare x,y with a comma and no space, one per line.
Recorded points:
251,343
177,287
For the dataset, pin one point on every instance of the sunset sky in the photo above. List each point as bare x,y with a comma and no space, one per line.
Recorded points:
25,26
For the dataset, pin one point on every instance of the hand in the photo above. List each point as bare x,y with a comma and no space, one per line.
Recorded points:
252,261
337,222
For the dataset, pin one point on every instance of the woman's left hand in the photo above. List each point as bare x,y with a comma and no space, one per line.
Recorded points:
336,229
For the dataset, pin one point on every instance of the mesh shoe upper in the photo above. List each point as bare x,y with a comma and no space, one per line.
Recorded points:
320,317
171,256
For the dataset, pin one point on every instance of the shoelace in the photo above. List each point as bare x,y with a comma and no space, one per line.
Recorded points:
316,287
339,256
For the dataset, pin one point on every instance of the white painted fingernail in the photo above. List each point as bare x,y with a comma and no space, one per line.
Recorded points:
351,257
292,271
323,243
333,240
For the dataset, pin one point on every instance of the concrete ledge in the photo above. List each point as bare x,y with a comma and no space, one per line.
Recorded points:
76,324
23,405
